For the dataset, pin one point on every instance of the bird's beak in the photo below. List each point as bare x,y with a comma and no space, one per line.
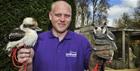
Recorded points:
37,29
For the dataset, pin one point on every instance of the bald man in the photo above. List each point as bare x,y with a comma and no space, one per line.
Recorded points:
58,49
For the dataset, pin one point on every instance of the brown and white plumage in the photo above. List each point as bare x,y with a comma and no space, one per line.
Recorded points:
104,39
26,34
104,47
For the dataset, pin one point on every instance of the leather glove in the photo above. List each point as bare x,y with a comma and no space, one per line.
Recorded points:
105,54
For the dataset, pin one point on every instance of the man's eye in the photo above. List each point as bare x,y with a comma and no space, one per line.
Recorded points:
58,15
66,15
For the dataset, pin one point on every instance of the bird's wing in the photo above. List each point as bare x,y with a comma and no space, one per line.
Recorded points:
110,35
16,34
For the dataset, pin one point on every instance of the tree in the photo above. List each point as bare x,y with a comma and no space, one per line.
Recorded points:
124,21
100,11
81,13
136,19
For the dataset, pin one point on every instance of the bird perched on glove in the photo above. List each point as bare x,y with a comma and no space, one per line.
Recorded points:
104,47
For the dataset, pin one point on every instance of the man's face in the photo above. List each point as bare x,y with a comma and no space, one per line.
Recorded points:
60,17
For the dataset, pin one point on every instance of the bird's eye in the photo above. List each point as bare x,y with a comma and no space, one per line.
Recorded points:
95,27
102,27
24,25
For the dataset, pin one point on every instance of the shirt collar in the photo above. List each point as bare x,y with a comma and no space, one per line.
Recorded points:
67,37
51,34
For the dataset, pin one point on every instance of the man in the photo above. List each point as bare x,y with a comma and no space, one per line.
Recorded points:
58,49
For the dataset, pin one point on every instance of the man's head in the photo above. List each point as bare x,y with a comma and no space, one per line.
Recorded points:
60,16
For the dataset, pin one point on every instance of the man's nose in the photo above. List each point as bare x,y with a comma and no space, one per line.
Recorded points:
62,18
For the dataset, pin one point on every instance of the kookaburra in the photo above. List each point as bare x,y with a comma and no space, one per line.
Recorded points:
104,39
103,48
25,34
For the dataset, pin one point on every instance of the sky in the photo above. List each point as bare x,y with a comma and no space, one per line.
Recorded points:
118,7
114,2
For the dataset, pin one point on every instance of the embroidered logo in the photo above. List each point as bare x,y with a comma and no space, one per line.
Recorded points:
71,54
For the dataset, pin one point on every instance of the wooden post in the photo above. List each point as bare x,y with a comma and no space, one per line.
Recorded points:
123,45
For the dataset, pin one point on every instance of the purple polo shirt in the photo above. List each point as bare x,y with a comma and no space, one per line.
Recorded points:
71,54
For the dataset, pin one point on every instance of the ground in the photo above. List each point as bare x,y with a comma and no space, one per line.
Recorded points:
124,70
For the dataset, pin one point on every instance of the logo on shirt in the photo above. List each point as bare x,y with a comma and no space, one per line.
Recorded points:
71,54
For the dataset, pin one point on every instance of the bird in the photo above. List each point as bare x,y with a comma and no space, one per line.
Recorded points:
26,33
104,47
103,36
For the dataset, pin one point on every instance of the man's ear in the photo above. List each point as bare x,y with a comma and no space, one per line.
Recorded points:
50,15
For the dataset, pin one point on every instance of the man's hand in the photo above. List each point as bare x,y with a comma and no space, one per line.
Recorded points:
25,54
